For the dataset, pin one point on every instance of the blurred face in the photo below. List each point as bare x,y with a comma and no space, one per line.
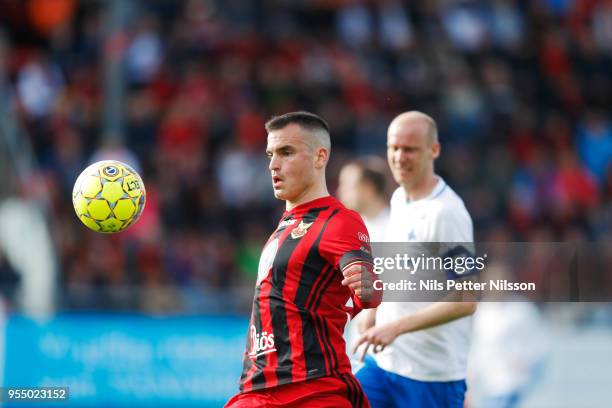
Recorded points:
292,163
350,187
410,152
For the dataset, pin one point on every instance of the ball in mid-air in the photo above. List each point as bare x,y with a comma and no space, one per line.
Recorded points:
108,196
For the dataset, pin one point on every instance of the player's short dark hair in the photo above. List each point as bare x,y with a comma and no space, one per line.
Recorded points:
306,120
373,171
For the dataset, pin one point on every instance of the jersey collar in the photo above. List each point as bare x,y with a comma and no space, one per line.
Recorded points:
437,190
319,202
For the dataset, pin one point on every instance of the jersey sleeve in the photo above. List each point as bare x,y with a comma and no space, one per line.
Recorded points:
346,241
455,231
454,225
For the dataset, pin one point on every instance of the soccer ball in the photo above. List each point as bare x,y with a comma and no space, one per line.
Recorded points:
108,196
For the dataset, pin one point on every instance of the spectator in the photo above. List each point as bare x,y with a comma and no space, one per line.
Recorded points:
595,145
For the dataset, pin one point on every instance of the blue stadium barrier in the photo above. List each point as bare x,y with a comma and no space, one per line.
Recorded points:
128,360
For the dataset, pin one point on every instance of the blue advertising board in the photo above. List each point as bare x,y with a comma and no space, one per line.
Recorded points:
117,360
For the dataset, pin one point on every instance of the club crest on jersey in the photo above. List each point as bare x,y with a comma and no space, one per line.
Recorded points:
300,230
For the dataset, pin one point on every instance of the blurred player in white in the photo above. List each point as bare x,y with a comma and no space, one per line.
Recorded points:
420,349
361,187
502,370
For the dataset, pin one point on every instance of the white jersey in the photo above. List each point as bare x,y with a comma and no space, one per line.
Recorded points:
439,353
500,362
377,226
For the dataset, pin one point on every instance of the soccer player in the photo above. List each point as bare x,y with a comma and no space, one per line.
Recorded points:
317,258
420,349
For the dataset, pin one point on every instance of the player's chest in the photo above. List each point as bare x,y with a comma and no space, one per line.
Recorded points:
288,249
412,224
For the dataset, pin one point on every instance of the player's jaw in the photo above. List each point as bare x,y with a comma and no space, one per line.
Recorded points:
291,187
284,186
404,173
278,185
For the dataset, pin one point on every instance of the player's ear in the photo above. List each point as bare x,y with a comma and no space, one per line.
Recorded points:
321,157
435,150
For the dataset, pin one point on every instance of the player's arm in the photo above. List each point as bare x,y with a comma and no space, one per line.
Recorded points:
367,320
433,315
456,306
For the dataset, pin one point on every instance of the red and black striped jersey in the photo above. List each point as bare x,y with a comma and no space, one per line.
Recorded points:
299,308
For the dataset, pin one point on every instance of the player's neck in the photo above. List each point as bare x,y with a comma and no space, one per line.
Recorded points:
317,191
422,189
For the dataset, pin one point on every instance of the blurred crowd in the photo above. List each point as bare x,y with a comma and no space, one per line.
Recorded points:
521,91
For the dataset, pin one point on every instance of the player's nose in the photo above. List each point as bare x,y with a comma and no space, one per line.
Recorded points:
274,163
400,156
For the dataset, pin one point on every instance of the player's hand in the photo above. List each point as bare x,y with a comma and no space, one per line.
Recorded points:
359,280
378,337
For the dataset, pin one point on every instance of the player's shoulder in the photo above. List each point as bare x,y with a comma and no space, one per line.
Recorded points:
449,204
443,198
345,215
345,223
449,200
344,230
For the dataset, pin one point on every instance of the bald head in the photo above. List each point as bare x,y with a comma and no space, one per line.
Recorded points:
412,147
415,122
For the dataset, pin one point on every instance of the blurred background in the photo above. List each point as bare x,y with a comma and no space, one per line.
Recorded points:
521,91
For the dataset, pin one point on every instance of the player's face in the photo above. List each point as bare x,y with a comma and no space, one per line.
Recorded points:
410,153
350,187
291,163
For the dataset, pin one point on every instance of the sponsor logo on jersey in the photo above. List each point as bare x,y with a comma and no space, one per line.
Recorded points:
261,343
286,223
363,237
